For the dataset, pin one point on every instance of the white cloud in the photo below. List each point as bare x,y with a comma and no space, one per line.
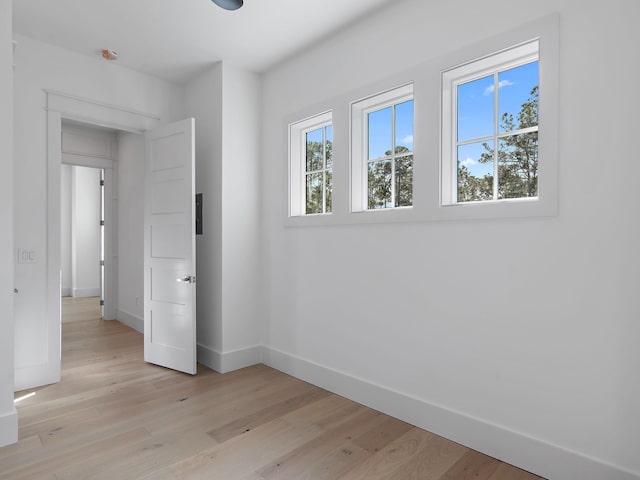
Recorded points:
408,140
468,162
504,83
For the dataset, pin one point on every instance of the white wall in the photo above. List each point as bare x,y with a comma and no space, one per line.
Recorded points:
65,229
527,351
225,103
204,103
40,66
8,416
242,306
131,230
85,231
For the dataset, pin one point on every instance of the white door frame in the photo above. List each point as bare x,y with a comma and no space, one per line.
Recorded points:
61,105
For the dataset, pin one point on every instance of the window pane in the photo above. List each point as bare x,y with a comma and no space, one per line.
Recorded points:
379,185
329,187
314,150
380,133
404,181
475,109
404,127
518,97
518,166
329,147
314,193
475,172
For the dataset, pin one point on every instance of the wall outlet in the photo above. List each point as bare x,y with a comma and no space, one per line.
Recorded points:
27,256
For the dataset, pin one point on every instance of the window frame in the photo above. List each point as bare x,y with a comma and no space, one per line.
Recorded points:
360,110
297,162
427,181
493,64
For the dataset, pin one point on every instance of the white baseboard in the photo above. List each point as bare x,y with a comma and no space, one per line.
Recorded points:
131,320
229,361
65,291
85,292
33,376
9,428
532,454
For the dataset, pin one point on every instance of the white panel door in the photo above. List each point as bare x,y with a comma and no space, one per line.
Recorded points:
169,247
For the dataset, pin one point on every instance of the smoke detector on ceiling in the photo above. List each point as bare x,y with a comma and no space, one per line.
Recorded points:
109,54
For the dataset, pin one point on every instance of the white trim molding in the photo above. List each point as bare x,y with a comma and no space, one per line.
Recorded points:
100,113
229,361
359,135
85,292
529,453
9,428
297,160
131,320
65,106
348,200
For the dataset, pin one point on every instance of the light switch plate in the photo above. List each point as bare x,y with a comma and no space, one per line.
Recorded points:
26,256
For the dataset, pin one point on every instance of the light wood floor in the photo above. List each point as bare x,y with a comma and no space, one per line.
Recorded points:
114,417
80,309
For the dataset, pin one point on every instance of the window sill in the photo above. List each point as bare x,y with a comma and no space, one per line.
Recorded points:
501,209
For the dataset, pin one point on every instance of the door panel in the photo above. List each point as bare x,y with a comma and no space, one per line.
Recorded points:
167,241
168,196
169,248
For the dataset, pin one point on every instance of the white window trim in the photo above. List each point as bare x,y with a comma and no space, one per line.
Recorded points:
427,182
509,58
297,161
359,142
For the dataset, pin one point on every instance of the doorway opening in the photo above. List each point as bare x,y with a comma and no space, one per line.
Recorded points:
88,218
43,367
82,225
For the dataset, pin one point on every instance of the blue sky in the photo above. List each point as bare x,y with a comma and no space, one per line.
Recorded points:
381,132
476,106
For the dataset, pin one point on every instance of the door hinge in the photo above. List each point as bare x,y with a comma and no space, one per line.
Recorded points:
102,303
102,223
102,263
102,183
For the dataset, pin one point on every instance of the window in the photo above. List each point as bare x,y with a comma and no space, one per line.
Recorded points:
311,166
490,128
382,151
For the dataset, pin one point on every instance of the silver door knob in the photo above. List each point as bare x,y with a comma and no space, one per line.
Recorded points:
187,279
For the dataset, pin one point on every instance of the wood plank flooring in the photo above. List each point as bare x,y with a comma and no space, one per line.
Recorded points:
80,309
114,417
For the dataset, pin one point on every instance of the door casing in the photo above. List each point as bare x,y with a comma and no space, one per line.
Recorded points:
61,105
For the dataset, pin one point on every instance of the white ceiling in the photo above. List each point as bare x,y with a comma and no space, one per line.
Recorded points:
176,39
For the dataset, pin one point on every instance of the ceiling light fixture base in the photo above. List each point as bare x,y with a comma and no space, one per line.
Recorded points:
229,4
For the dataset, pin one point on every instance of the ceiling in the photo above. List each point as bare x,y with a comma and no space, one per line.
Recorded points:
177,39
